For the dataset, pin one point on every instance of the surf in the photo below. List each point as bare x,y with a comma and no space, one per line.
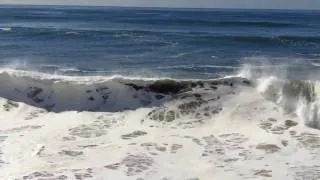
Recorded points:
61,93
58,93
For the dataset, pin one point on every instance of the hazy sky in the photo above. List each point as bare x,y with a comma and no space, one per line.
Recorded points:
272,4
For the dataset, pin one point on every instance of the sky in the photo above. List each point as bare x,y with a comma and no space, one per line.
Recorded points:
251,4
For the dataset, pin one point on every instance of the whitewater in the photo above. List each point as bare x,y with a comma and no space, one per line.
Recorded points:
238,127
110,93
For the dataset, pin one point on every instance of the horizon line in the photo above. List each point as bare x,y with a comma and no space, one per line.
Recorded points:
157,7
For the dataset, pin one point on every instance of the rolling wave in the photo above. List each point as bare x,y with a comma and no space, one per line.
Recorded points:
6,29
263,40
209,23
37,32
63,93
259,24
117,93
198,67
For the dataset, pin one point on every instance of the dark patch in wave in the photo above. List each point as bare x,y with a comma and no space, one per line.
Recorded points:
111,95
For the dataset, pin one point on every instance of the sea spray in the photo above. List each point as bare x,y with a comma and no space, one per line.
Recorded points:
298,97
309,113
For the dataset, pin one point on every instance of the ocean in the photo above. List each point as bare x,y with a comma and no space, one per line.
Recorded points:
144,42
159,93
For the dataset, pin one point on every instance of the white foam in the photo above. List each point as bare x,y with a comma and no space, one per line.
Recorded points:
292,96
214,147
72,33
6,29
316,64
248,138
69,70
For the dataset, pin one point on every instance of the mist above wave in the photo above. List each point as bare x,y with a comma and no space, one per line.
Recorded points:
298,97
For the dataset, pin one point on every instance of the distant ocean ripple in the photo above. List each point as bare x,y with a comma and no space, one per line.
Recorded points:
175,43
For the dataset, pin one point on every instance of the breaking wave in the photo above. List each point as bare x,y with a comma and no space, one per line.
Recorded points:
117,93
95,93
297,97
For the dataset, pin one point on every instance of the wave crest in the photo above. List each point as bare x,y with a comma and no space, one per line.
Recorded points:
65,93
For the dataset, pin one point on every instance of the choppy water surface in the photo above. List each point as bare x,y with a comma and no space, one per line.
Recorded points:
176,43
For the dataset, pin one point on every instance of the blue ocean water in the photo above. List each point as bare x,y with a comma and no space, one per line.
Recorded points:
146,42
